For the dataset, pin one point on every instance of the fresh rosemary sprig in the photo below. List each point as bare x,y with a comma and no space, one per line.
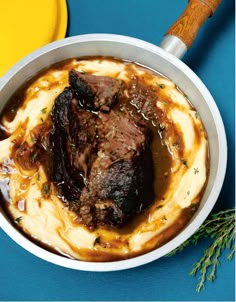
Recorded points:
221,228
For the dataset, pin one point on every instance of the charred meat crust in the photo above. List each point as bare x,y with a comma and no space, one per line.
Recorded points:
102,162
95,93
68,183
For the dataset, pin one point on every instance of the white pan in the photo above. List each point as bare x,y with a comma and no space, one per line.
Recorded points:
165,60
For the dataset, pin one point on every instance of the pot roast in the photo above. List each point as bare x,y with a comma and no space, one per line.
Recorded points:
102,162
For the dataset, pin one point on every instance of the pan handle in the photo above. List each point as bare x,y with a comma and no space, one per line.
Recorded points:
182,33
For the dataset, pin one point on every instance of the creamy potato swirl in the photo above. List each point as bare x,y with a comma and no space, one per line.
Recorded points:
46,219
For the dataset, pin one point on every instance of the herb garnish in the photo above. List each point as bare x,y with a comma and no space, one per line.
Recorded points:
196,170
34,156
193,206
41,119
162,127
162,86
220,227
44,110
164,219
73,146
184,162
46,189
176,145
163,102
18,219
97,241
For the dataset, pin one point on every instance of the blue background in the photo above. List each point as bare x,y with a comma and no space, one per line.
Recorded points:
25,277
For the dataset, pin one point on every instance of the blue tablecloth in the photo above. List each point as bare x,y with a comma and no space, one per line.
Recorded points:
26,277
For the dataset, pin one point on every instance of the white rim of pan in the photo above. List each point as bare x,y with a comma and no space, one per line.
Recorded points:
190,228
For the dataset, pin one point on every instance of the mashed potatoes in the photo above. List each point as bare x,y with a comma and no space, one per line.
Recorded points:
180,155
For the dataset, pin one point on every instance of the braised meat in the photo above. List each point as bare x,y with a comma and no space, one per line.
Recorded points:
95,93
73,141
102,159
144,98
120,181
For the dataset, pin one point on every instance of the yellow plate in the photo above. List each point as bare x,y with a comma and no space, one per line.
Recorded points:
26,25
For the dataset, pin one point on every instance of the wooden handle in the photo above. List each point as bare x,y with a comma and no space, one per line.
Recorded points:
189,23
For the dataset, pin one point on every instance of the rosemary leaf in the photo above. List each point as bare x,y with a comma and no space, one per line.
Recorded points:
220,227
